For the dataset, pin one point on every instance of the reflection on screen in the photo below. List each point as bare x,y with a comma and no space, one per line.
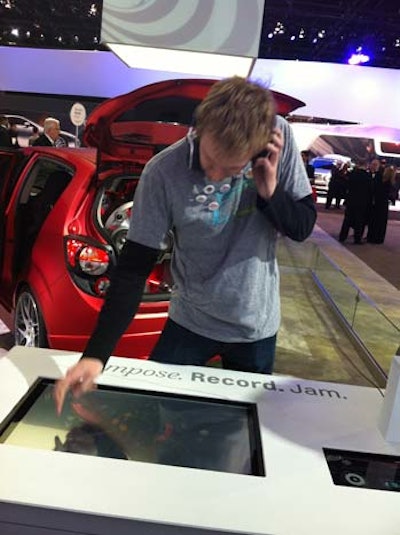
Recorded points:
142,426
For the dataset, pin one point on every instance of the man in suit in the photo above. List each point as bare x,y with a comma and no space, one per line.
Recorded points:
5,134
51,132
358,202
305,154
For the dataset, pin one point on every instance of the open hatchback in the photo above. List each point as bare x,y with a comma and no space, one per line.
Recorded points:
66,214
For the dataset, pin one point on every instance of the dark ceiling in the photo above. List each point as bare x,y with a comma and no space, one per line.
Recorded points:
332,30
319,30
65,24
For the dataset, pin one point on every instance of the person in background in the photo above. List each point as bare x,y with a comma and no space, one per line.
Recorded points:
5,134
358,203
394,191
310,170
34,136
51,132
375,167
226,190
382,184
337,188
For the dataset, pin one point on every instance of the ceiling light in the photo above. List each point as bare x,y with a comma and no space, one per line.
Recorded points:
183,61
92,10
358,58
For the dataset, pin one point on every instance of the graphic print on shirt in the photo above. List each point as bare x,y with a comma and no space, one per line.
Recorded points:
222,202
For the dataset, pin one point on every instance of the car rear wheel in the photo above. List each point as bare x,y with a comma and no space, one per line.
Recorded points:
29,328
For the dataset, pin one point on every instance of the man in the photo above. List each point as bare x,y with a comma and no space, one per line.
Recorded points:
225,204
310,170
358,203
5,134
51,132
337,188
383,177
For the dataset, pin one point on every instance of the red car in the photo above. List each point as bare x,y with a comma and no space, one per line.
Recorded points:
65,215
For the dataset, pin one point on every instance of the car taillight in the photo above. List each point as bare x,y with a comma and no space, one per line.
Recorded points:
91,260
89,263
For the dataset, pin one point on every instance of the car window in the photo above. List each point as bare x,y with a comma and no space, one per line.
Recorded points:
44,184
42,173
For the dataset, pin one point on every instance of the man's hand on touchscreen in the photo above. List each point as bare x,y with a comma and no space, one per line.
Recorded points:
78,380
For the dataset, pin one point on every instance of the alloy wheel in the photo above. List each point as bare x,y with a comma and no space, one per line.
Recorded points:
29,327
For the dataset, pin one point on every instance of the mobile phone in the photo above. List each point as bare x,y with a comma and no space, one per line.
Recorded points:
262,154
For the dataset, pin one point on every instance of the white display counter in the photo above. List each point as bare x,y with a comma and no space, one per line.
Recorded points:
44,491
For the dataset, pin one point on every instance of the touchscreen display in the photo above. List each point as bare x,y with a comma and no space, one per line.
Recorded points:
139,425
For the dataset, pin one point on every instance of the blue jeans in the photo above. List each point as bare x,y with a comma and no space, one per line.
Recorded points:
178,345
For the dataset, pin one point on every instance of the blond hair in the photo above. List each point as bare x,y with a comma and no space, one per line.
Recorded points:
239,114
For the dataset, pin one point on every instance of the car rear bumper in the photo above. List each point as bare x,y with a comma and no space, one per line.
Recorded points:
137,342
